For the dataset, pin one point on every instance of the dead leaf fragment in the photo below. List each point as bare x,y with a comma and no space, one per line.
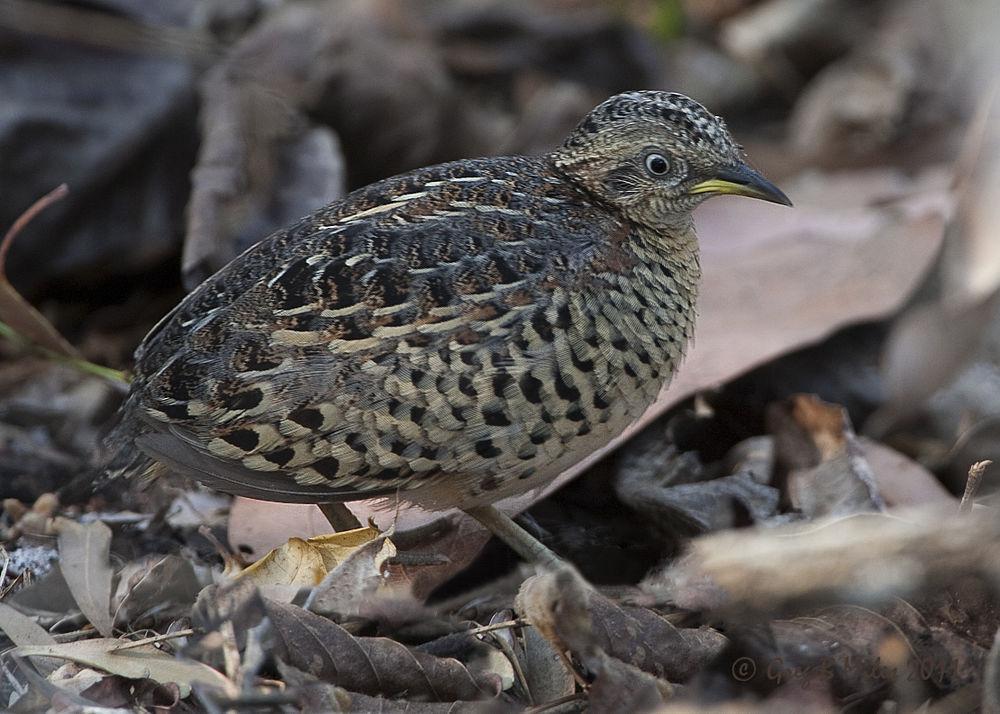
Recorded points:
697,504
83,560
352,587
901,480
827,473
162,585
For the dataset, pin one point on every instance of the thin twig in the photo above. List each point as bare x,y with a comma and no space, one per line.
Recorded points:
579,696
495,626
154,639
56,194
976,472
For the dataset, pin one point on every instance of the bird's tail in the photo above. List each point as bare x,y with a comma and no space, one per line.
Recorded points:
118,456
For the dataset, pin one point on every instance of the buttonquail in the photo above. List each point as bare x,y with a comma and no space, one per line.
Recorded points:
453,335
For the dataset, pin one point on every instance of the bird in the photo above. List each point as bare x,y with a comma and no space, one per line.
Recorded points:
450,336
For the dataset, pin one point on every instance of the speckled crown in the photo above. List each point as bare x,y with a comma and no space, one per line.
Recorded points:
677,113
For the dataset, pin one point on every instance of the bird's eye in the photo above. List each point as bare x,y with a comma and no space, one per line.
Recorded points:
657,164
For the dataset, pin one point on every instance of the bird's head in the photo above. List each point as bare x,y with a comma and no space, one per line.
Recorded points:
656,155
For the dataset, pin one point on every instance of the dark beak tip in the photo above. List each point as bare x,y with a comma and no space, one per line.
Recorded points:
762,188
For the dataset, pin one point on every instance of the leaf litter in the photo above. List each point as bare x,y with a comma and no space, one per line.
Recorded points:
756,546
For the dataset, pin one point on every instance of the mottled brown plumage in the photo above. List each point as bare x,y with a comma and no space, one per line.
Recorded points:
456,334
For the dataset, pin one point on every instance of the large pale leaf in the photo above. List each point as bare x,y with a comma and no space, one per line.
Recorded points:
83,560
143,662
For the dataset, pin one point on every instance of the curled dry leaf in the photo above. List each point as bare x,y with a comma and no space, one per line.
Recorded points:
569,613
547,675
827,470
704,505
371,665
867,557
353,587
304,563
145,662
83,560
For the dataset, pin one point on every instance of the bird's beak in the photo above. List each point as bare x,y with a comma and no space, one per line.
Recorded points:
741,180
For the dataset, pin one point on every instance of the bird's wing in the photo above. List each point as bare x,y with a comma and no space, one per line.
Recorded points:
377,344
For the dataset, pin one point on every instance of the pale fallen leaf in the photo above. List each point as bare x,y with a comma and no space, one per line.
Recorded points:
949,322
145,662
83,560
304,563
901,480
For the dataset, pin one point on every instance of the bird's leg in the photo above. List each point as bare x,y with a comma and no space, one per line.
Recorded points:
340,516
518,539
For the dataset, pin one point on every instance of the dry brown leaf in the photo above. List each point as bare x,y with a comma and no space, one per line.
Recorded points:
83,560
926,351
257,526
547,674
622,687
304,563
642,638
858,649
572,615
557,604
326,698
145,662
237,602
371,665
